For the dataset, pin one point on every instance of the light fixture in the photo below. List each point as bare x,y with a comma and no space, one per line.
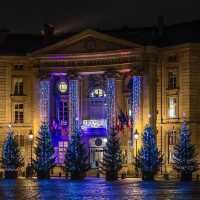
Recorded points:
30,135
105,140
136,135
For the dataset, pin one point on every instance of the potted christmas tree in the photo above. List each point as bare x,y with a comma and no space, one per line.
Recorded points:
112,157
76,158
185,156
44,153
11,157
149,158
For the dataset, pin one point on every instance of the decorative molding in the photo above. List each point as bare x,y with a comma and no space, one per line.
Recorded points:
72,75
90,62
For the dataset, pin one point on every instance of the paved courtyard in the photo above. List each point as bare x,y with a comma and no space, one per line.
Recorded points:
92,189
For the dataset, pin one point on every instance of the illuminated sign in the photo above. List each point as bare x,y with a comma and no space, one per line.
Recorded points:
94,123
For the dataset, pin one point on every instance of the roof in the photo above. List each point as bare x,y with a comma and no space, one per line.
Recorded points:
188,32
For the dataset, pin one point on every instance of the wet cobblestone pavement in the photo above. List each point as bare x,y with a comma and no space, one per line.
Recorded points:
97,189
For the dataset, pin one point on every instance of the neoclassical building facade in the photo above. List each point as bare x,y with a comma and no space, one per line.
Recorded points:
92,81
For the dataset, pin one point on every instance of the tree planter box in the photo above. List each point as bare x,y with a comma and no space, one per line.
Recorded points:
78,176
186,176
43,175
111,177
11,174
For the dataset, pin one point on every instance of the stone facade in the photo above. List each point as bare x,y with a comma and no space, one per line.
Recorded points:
92,53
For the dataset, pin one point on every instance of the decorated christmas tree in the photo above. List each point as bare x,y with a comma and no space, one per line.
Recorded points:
11,156
149,158
185,156
76,158
44,153
112,157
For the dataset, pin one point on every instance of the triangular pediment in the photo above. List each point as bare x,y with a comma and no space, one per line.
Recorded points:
87,41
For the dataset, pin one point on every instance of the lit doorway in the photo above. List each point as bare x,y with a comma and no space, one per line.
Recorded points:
96,156
96,150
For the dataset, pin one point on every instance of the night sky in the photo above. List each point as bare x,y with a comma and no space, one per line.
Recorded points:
67,15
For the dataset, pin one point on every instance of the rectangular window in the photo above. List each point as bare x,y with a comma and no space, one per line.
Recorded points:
18,67
18,87
129,106
172,137
172,59
19,113
172,107
62,145
172,80
20,140
171,143
63,112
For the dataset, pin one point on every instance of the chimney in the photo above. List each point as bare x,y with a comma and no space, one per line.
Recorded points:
48,32
160,25
3,35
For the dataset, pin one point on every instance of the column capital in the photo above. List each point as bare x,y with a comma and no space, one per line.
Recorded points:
137,70
42,75
112,74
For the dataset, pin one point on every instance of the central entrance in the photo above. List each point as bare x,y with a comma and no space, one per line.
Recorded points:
96,149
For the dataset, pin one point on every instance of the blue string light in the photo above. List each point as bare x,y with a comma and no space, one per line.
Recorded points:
74,105
110,102
136,92
44,100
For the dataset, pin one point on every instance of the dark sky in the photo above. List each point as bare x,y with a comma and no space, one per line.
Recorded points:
30,15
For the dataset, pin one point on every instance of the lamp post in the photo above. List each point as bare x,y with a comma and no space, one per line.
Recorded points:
136,136
30,137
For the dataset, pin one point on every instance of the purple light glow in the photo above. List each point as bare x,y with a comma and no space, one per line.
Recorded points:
58,74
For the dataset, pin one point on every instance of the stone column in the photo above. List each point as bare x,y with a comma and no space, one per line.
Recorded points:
74,103
110,99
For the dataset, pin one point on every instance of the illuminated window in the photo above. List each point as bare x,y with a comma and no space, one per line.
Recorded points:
18,86
172,137
171,143
62,86
172,79
172,107
19,113
98,93
129,107
62,149
63,112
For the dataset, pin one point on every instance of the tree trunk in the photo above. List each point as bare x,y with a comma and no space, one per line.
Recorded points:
147,176
186,176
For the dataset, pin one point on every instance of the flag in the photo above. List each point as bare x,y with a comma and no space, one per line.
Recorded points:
129,124
122,118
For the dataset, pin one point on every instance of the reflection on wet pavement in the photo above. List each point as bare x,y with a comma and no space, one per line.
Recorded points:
92,189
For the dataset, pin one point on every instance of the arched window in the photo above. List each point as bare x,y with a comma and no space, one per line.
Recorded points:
97,92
